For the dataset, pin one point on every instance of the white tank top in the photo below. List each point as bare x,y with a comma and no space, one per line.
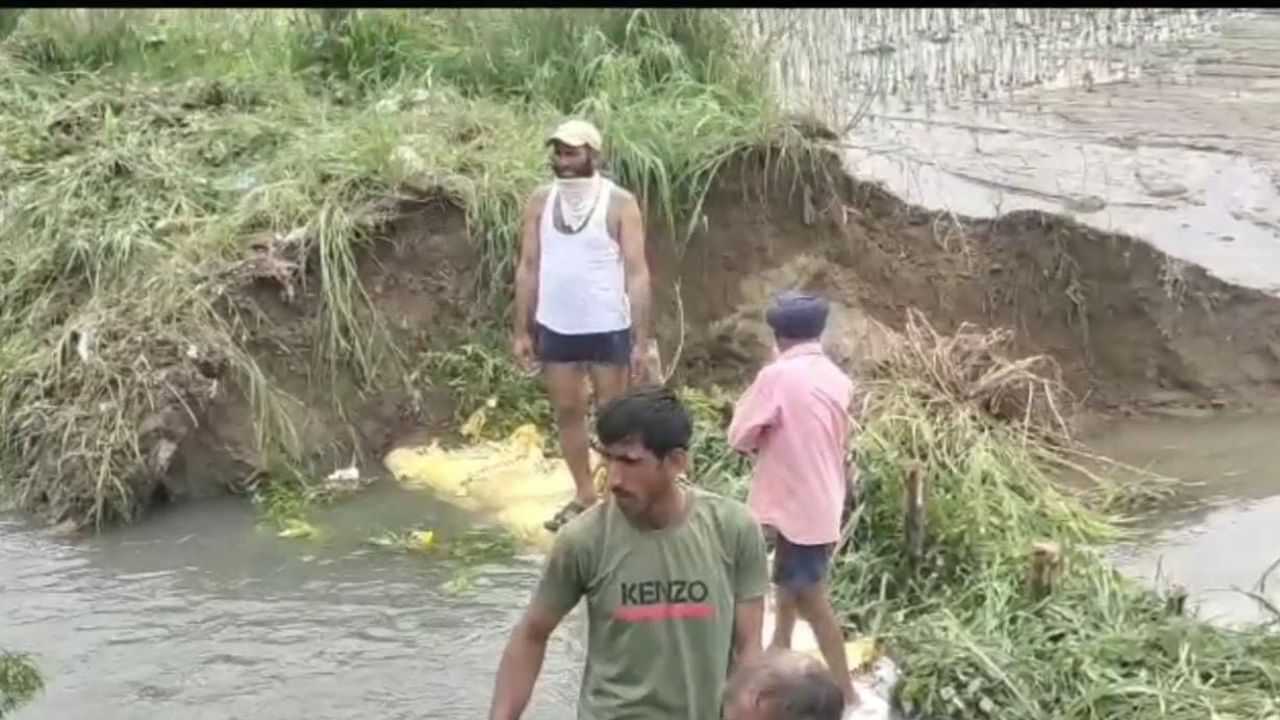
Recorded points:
581,276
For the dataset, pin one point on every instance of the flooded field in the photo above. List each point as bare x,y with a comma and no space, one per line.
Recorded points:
1156,123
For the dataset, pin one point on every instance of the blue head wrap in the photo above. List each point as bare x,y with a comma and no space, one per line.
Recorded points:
797,316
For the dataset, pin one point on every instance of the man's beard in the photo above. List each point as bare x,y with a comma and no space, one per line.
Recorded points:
570,173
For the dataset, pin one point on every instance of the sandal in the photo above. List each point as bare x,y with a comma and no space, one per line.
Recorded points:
572,509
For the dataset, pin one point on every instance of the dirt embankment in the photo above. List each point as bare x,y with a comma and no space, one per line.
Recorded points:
1128,325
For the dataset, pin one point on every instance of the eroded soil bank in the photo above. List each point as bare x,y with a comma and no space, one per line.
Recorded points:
1126,333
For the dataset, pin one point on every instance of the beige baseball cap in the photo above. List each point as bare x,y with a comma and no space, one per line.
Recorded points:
577,133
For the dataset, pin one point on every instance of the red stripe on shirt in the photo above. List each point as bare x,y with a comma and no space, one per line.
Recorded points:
665,611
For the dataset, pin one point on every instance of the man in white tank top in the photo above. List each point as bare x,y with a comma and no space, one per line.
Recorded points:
582,294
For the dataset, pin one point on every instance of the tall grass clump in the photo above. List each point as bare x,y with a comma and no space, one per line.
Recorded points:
492,396
20,681
158,162
972,638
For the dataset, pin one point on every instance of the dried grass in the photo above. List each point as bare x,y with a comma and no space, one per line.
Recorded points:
971,367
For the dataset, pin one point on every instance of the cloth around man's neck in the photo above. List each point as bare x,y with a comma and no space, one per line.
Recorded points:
578,198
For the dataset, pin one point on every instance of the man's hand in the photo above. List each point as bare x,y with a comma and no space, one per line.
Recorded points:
637,272
748,624
522,350
640,363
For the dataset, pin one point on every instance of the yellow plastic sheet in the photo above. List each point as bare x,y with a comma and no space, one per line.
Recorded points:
511,482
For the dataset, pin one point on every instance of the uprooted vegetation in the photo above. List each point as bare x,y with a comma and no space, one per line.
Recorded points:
164,167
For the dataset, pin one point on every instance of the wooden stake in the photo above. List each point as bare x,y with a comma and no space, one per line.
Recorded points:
1046,568
1176,602
914,513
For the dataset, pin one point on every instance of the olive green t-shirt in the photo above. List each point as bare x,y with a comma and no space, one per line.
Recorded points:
660,605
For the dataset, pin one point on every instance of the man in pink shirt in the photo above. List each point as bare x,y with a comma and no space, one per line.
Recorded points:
794,420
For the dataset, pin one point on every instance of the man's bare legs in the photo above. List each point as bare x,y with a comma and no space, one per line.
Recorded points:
785,624
568,394
813,605
608,382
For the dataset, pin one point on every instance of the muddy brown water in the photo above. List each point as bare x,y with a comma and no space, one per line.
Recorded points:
1221,535
200,612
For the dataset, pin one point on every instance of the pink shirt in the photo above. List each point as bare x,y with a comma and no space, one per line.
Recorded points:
795,416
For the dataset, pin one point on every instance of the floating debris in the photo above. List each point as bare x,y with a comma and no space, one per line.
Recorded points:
295,529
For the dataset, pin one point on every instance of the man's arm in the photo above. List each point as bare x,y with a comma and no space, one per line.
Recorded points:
561,588
751,582
522,662
527,266
631,240
757,411
748,626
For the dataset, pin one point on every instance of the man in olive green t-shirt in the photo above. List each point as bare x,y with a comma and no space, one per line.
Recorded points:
674,579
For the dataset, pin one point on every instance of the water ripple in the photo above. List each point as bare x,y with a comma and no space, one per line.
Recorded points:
231,623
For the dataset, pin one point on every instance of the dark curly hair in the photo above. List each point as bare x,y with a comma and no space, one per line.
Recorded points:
651,414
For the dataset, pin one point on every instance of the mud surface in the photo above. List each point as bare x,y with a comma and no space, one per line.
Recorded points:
1105,306
1173,140
1125,330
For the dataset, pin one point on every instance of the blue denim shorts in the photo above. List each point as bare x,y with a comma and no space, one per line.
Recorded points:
798,567
607,348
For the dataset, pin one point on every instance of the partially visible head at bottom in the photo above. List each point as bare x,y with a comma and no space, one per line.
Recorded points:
645,436
797,318
783,685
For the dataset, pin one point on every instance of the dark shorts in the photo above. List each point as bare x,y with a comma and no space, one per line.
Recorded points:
609,348
798,567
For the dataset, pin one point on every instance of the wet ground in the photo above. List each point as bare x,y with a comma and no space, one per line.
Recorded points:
1162,124
199,613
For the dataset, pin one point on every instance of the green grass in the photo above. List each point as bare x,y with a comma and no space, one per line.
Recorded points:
481,378
146,150
973,642
972,639
19,681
